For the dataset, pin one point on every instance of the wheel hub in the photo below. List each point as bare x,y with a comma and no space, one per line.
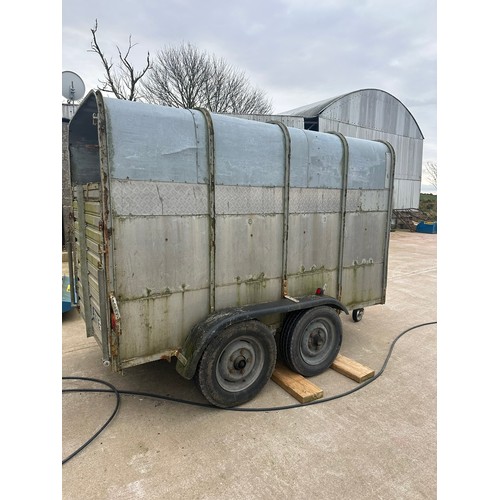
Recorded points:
316,340
240,362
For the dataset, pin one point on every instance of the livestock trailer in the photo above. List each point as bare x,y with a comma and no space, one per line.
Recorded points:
223,242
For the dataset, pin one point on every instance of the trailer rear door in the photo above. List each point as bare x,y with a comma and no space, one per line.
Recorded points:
90,275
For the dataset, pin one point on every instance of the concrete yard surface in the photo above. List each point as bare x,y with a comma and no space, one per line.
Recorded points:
378,442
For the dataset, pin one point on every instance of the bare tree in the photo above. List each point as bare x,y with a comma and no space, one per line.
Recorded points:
186,77
122,80
431,172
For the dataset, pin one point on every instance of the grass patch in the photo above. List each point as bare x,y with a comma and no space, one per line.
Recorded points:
428,204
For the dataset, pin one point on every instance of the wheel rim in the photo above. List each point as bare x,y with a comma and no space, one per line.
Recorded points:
317,341
240,364
359,314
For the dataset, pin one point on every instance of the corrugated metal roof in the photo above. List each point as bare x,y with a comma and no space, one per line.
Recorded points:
316,108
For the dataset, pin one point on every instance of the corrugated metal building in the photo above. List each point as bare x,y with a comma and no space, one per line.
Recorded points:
68,110
369,114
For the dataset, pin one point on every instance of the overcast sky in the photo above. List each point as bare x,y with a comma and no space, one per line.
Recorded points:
297,51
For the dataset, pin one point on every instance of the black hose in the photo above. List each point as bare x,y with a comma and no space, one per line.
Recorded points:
207,405
113,389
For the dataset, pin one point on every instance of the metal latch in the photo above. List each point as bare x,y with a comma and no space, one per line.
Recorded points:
114,306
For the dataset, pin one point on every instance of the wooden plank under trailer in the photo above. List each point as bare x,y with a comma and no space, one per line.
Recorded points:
304,391
352,369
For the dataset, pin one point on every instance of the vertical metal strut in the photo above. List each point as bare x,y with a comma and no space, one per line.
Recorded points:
211,203
390,181
343,204
286,207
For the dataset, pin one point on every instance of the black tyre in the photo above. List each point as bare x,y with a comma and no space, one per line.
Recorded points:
237,364
357,315
283,338
311,340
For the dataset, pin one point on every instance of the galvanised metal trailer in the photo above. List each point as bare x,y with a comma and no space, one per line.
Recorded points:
223,242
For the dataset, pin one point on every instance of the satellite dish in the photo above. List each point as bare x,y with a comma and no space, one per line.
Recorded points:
73,87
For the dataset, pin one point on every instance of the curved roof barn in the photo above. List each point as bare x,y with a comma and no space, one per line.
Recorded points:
372,108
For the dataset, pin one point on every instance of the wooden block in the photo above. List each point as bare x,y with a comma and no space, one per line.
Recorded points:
352,369
298,386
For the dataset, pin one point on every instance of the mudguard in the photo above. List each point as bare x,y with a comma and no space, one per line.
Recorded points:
201,334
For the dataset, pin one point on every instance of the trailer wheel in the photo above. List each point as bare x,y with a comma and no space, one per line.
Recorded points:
237,364
357,315
311,340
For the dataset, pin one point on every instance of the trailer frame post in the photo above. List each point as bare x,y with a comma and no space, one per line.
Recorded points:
343,204
103,309
286,207
211,202
392,168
